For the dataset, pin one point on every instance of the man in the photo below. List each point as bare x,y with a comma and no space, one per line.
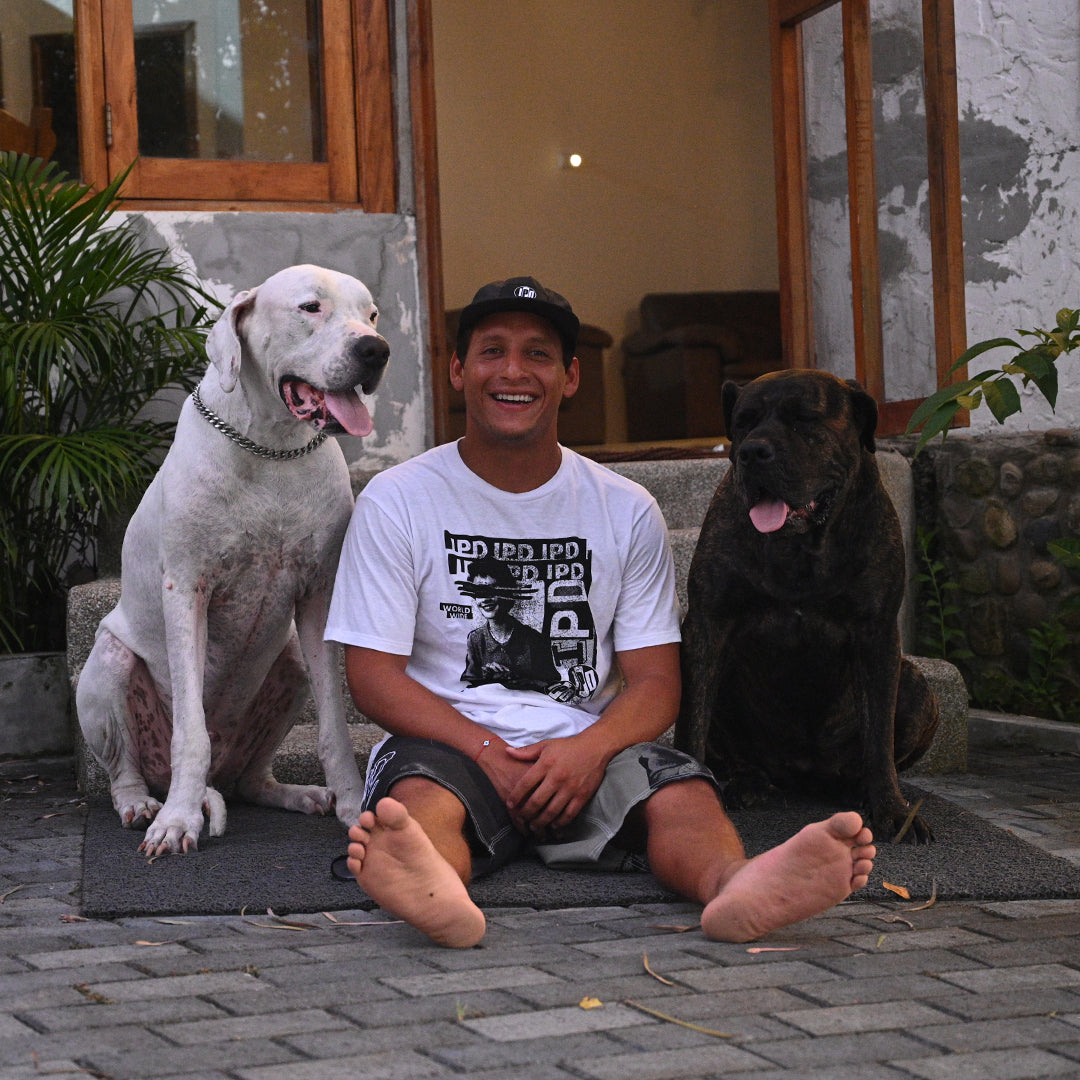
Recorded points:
471,773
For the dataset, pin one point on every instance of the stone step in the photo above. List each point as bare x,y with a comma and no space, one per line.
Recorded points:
684,489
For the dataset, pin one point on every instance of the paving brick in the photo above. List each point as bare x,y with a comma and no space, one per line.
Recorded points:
744,977
392,1066
844,1019
11,1028
714,1059
108,954
892,940
1000,1033
863,965
834,1050
410,1012
983,1006
883,988
149,1061
276,1025
346,1043
564,1052
554,1023
497,978
88,1015
1038,976
1027,1064
126,1039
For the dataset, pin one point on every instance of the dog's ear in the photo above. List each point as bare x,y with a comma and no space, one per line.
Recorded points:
223,342
864,409
728,393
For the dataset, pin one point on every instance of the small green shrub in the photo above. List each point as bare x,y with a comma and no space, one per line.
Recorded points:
93,325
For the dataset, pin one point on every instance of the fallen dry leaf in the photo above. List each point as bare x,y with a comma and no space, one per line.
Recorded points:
74,918
590,1003
175,922
371,922
896,918
153,942
898,889
774,948
291,922
280,925
658,978
907,823
929,903
4,896
681,1023
674,928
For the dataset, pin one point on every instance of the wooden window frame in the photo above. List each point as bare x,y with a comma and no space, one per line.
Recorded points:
943,154
358,121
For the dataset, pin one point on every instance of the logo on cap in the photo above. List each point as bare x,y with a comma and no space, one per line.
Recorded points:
525,291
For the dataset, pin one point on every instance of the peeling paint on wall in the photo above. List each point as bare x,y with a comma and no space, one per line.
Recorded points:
1018,73
229,252
1018,67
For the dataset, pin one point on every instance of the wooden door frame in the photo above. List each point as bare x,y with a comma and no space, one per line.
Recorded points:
943,154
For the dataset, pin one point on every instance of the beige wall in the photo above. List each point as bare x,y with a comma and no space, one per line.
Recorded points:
668,101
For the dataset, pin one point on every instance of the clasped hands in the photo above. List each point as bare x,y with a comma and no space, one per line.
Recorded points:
545,785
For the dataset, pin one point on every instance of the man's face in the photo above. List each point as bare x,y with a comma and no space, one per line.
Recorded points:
513,379
491,604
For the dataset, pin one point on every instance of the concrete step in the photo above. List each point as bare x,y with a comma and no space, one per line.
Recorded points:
684,489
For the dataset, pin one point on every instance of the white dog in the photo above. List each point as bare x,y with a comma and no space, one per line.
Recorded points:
198,673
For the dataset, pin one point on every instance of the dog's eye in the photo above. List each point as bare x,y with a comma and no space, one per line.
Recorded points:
312,305
374,317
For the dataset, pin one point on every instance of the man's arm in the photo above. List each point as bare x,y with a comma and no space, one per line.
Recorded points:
385,693
565,773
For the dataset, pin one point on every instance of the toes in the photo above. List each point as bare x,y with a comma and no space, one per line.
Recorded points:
391,814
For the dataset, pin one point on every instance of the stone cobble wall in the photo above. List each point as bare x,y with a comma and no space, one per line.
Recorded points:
995,501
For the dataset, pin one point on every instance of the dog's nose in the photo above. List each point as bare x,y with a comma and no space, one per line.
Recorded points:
756,452
371,351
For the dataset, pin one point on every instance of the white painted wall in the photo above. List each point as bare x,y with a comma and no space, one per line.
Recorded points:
668,101
1018,69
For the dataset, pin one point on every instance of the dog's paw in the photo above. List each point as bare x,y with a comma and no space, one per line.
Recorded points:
744,790
173,831
902,827
348,806
138,811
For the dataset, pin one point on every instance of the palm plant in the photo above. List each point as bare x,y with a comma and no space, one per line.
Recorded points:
93,325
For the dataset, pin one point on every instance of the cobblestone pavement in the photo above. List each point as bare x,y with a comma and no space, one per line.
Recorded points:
955,990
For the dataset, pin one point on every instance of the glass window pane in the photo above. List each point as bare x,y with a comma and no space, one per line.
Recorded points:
229,79
903,183
828,206
37,70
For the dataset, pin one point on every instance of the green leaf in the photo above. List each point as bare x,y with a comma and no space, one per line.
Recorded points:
938,423
94,324
978,349
1002,398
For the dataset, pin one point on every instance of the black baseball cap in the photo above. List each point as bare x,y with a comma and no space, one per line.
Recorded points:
520,294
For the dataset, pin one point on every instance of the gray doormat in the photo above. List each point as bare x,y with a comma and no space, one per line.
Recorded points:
280,860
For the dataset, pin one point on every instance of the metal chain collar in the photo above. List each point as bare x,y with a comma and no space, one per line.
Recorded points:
245,443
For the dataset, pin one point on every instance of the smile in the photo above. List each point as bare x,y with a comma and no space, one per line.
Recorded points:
515,399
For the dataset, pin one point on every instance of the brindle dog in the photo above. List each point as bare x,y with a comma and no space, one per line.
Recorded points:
792,672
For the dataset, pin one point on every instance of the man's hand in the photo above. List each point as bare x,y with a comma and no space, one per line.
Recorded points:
560,777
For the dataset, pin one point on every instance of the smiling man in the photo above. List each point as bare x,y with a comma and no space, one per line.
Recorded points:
474,770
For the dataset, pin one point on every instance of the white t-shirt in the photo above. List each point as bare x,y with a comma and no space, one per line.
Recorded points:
577,570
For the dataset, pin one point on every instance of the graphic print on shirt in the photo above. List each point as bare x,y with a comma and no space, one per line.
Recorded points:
530,599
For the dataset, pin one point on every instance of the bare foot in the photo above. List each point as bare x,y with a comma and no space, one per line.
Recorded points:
818,867
396,864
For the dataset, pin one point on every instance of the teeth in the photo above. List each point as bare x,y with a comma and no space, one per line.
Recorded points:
518,399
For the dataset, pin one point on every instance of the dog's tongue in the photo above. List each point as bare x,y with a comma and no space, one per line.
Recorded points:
350,412
769,515
306,402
